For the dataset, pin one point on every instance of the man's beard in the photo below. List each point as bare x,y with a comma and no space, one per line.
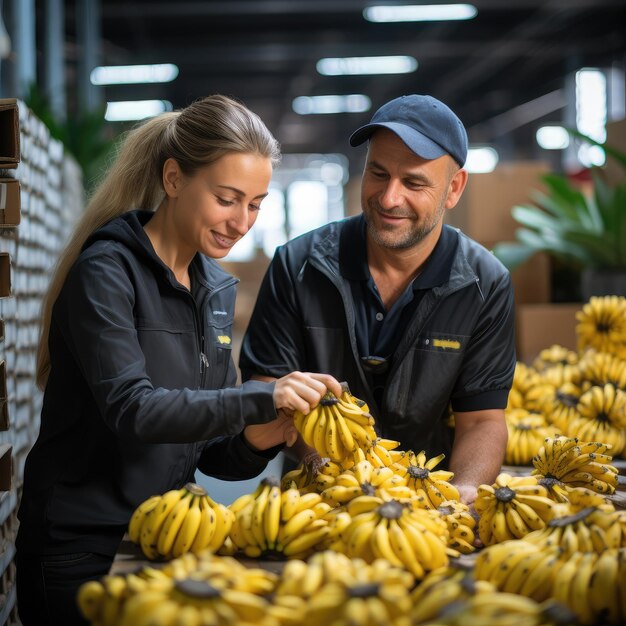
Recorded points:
407,239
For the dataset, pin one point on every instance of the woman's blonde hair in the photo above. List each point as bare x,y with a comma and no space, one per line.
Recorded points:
196,136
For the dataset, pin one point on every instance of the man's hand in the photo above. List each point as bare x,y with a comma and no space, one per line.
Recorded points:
468,493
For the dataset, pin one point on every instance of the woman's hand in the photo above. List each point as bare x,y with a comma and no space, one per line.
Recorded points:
264,436
298,391
301,391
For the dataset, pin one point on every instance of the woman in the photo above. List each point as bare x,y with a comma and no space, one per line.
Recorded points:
135,352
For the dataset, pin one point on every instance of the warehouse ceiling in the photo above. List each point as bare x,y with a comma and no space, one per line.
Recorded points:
503,71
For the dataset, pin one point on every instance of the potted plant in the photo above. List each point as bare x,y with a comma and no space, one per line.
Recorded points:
586,231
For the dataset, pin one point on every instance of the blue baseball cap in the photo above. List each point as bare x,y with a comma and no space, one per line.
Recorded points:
426,125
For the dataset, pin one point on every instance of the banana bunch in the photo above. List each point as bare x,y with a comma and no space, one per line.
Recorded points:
588,530
337,427
504,609
577,463
305,579
602,325
555,355
102,602
602,417
222,572
274,521
308,479
526,435
518,566
511,508
365,479
442,587
525,378
600,368
381,453
413,539
193,602
560,406
179,521
359,604
590,584
420,475
461,525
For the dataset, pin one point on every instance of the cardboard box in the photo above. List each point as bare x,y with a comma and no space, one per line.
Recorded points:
10,202
539,326
5,275
484,210
615,138
9,133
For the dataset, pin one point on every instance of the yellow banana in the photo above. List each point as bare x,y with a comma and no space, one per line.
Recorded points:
208,524
172,525
138,517
154,521
188,529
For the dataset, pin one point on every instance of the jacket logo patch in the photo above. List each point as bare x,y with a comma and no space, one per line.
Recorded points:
224,339
219,312
447,343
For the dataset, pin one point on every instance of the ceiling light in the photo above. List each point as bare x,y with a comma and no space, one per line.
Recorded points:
132,74
481,160
366,65
316,105
420,13
591,113
552,137
129,110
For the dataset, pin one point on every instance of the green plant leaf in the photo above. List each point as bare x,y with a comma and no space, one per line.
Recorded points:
537,219
572,202
555,246
512,254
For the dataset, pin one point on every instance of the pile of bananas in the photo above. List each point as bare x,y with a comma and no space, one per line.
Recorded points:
271,521
432,485
415,539
576,463
602,325
511,508
527,432
187,592
179,521
337,427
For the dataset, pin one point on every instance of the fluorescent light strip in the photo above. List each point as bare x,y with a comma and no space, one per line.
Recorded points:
481,160
133,74
130,110
350,66
320,105
552,137
420,12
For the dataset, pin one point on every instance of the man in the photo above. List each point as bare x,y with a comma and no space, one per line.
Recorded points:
413,314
